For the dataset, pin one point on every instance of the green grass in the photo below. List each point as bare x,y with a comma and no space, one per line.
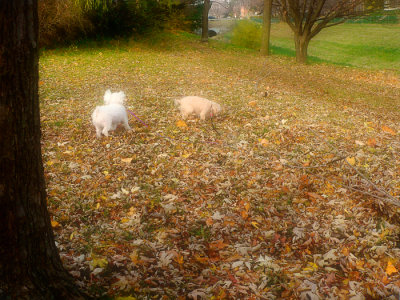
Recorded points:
371,46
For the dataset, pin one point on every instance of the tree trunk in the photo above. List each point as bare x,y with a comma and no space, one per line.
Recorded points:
30,266
301,44
266,31
204,23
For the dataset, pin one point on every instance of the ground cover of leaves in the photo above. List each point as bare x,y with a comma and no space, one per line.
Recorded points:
263,202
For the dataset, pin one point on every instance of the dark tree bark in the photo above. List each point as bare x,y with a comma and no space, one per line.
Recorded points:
30,266
266,30
204,21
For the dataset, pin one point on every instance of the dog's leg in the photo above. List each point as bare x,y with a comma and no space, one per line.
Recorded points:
98,132
126,124
203,115
107,127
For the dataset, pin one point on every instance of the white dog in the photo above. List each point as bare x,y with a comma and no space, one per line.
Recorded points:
201,107
108,117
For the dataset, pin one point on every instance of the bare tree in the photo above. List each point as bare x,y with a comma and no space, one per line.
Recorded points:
307,18
266,30
30,266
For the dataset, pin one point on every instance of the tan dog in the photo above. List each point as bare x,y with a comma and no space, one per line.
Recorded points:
201,107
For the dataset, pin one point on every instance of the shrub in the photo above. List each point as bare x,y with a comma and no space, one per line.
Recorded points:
60,21
247,34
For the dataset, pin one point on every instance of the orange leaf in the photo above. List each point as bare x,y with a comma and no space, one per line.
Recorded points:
371,142
179,259
55,224
209,221
313,196
218,245
390,269
252,103
388,130
181,123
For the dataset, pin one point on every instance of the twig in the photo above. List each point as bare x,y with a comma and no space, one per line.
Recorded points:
389,199
372,184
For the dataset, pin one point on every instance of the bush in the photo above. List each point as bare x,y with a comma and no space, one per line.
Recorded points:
64,21
60,21
247,34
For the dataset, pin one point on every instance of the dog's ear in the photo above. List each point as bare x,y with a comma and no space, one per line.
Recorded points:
107,96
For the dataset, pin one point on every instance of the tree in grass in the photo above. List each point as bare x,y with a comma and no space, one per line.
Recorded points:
307,18
30,266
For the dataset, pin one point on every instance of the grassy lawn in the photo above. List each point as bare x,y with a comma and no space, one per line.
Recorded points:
258,204
370,46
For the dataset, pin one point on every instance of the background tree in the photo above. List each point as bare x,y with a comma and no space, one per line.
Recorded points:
307,18
204,20
266,29
30,266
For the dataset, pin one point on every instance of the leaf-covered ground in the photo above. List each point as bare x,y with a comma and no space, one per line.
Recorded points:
270,200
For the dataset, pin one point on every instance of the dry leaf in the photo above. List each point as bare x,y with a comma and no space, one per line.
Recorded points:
390,269
55,224
351,160
127,160
371,142
181,124
388,130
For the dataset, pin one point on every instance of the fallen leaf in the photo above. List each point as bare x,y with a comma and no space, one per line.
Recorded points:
55,224
127,160
388,130
351,160
371,142
218,245
390,269
181,124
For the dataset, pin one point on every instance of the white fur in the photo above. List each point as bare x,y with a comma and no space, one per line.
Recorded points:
108,117
201,107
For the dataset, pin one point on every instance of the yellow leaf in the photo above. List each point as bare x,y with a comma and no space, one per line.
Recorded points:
134,257
351,160
55,224
72,235
255,224
390,269
99,262
311,267
127,160
98,205
186,155
252,103
126,298
105,172
124,220
181,123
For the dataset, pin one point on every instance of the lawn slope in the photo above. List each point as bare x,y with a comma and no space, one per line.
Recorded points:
268,200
